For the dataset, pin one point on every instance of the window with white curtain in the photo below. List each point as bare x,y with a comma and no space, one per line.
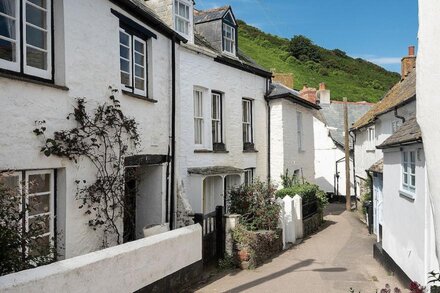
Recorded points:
27,34
182,17
198,117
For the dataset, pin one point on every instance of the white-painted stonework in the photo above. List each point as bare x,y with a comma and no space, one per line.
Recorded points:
407,221
124,268
428,75
86,38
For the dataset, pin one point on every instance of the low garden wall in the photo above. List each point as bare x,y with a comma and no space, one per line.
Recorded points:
158,262
253,248
312,224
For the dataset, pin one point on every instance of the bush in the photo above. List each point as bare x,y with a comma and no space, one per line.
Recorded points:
302,46
256,204
307,191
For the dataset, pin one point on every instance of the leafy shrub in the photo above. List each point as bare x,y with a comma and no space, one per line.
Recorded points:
307,191
256,204
288,180
302,46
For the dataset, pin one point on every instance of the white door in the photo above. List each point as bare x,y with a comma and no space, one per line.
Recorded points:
378,204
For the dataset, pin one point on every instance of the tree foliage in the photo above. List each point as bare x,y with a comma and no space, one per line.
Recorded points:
104,138
303,48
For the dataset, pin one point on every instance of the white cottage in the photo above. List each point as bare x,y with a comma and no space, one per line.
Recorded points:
408,242
52,52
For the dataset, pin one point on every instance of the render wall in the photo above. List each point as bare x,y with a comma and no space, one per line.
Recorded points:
428,73
407,223
366,155
284,131
124,268
327,153
87,62
201,71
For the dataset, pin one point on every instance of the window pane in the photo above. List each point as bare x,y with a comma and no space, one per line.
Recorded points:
139,59
139,71
413,157
124,52
125,78
36,58
413,180
405,157
140,84
41,3
405,178
139,47
124,39
36,16
11,183
39,183
7,27
7,50
35,37
8,7
413,169
125,65
39,204
41,245
40,224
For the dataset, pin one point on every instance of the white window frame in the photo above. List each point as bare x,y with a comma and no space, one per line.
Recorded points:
227,39
300,131
177,17
371,138
249,174
217,132
198,118
248,127
43,73
21,45
395,125
132,64
408,171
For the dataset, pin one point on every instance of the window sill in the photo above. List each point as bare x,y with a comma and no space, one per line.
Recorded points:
34,81
210,152
406,194
138,96
250,151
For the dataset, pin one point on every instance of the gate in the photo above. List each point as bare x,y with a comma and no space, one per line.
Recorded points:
213,243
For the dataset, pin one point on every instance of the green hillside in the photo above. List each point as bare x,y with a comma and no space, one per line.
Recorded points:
356,79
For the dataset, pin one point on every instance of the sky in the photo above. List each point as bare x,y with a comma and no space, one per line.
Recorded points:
377,30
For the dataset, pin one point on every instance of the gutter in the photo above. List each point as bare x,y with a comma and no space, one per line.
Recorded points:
295,99
402,143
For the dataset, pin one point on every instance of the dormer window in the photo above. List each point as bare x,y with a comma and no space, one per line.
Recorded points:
182,19
228,39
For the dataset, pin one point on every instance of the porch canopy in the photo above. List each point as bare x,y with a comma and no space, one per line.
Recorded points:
215,170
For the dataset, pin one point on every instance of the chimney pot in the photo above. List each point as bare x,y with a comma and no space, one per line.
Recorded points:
322,86
411,51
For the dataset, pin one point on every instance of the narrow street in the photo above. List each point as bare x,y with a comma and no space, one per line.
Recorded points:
337,258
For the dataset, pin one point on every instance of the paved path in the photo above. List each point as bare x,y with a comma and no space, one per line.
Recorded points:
335,259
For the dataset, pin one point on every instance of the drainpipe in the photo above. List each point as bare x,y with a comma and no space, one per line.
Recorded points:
268,81
353,137
173,132
397,116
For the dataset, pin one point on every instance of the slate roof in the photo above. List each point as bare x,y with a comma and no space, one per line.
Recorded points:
333,116
278,90
242,61
210,15
215,170
408,133
402,92
377,167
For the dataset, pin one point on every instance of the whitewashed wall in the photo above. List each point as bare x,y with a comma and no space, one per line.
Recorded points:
284,141
428,75
200,70
407,224
87,62
366,156
124,268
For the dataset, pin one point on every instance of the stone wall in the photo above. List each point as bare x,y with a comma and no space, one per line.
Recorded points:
312,224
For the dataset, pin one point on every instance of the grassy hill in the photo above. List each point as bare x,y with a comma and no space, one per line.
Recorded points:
356,79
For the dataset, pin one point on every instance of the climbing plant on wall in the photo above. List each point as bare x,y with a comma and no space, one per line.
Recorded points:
104,137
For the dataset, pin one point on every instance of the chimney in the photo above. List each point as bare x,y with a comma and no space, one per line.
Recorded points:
323,95
283,78
408,62
309,94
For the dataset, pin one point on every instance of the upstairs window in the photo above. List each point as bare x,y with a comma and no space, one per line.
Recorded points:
299,130
228,39
371,143
248,137
26,37
133,63
217,121
181,17
409,171
198,117
395,125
